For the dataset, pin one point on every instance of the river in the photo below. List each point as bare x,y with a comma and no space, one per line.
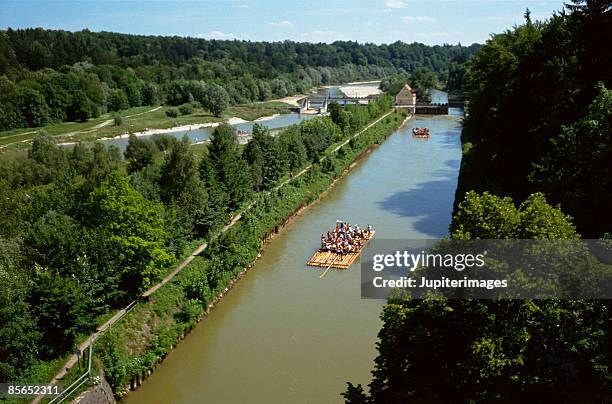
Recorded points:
202,134
284,335
275,122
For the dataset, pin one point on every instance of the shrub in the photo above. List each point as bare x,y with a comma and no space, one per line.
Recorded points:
186,109
118,120
172,112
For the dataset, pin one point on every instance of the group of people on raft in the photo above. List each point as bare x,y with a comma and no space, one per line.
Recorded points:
420,132
345,238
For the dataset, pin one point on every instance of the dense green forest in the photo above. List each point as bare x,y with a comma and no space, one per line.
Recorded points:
541,113
538,134
51,76
83,231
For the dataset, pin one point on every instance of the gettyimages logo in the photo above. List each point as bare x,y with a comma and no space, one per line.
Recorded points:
487,269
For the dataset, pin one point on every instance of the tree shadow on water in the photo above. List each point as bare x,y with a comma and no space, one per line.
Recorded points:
430,202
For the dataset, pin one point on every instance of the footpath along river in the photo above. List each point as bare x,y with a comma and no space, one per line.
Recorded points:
284,335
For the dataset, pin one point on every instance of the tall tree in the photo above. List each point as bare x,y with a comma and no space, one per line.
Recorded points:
438,350
134,229
216,99
577,171
180,183
139,153
19,334
230,168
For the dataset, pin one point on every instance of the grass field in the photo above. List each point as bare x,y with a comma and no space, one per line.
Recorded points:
63,128
13,143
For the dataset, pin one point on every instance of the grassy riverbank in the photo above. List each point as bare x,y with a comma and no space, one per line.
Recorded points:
132,348
133,120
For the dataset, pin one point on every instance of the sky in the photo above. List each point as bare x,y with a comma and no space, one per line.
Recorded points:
378,21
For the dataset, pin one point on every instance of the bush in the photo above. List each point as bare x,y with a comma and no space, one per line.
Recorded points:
186,109
172,112
118,120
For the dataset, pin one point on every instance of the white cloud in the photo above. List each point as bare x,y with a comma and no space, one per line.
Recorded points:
284,23
323,36
438,34
395,4
411,19
218,35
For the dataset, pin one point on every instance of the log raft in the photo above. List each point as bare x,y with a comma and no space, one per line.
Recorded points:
334,260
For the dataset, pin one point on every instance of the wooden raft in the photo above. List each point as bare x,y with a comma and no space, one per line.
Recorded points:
325,258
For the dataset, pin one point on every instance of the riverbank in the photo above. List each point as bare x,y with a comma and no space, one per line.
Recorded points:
143,339
144,123
180,128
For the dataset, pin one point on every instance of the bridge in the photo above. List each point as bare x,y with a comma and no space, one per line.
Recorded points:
441,108
431,108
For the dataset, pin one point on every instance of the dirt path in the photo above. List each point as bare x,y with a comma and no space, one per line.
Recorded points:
77,132
105,123
121,313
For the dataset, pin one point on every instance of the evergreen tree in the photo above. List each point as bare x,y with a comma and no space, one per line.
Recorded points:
138,153
180,184
231,170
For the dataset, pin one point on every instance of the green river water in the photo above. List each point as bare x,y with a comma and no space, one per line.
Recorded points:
284,335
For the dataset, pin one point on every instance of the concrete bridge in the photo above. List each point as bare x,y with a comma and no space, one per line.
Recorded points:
440,108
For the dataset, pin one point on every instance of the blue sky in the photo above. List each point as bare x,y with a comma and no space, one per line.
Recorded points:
378,21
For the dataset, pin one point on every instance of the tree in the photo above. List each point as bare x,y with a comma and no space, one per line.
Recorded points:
60,311
254,156
45,151
577,170
81,108
317,134
48,160
230,169
32,106
19,334
134,229
525,71
489,216
138,153
150,94
334,110
293,149
435,350
216,99
263,154
103,162
186,109
180,184
117,100
218,199
484,351
54,242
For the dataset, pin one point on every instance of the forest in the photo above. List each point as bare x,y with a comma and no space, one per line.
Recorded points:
84,231
537,163
49,76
